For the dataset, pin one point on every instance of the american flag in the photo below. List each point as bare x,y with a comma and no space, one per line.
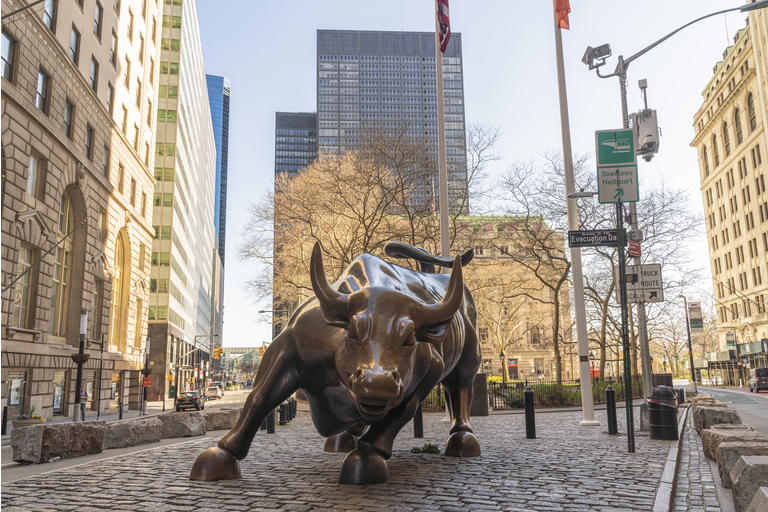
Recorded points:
445,25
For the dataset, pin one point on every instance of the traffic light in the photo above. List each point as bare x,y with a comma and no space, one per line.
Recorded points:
217,353
261,351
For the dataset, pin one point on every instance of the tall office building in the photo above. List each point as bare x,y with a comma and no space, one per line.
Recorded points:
384,83
730,140
79,89
295,141
181,284
218,100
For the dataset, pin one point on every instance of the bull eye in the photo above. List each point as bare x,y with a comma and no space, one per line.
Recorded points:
350,336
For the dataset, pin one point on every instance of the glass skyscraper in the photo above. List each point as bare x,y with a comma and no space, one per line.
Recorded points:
384,82
218,98
295,141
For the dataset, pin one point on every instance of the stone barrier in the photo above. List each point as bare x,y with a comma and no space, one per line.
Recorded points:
221,419
728,454
41,443
759,501
711,439
182,424
706,416
748,475
133,432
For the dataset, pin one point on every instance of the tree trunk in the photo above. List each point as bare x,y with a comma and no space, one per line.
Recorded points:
555,338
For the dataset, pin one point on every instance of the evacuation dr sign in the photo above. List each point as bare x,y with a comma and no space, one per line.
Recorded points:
616,166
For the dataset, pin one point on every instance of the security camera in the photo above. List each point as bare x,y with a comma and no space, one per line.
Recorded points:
599,54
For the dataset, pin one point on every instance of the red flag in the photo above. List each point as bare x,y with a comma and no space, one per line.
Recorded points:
445,26
562,8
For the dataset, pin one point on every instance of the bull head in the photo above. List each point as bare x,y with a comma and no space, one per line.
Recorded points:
382,327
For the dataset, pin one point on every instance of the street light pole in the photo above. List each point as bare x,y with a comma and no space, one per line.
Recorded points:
80,359
690,346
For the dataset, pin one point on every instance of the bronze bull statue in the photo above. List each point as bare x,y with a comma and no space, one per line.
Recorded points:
366,351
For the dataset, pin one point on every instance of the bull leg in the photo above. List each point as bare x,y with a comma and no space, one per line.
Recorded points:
275,381
345,441
462,442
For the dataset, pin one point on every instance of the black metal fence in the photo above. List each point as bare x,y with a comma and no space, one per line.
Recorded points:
546,393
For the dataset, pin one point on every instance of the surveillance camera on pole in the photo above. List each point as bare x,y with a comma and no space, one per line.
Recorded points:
595,57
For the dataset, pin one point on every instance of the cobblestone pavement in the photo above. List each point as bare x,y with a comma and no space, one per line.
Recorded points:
696,490
568,467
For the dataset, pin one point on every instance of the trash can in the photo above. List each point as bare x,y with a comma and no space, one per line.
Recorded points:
680,395
662,413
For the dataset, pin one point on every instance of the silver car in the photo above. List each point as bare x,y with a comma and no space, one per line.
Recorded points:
214,392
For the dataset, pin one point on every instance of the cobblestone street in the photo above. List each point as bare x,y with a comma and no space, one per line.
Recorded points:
567,467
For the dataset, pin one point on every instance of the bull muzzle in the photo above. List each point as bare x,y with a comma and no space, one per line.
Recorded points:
376,391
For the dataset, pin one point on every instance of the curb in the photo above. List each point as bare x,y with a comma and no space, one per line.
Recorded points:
666,491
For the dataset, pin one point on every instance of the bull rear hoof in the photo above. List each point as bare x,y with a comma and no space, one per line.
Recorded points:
364,466
215,464
462,444
340,443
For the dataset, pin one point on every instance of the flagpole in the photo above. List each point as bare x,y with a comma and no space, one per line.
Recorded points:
585,374
445,246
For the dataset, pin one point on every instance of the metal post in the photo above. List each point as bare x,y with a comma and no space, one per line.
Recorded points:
530,419
625,328
585,375
610,407
418,423
271,422
101,384
80,358
5,420
690,346
442,171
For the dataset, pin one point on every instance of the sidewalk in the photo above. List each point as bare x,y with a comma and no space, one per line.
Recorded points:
566,468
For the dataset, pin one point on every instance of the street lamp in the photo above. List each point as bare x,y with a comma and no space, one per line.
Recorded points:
80,359
690,348
503,359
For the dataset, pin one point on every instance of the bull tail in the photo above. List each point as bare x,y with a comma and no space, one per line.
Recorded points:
426,260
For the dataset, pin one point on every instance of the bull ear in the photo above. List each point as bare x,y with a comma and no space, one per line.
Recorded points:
333,304
430,316
433,334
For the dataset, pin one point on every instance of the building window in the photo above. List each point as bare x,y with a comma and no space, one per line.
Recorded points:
89,135
152,71
110,97
98,301
35,176
105,161
120,281
136,137
133,192
138,93
726,140
149,113
41,91
737,124
751,112
705,159
94,74
74,45
143,204
9,56
127,72
125,121
61,270
49,14
69,115
98,15
120,177
23,303
146,154
154,30
141,48
113,49
715,151
130,24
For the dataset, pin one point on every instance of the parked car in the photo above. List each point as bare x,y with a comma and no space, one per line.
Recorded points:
758,379
214,393
190,400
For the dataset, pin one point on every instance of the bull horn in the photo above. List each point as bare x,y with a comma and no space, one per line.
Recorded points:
333,304
432,314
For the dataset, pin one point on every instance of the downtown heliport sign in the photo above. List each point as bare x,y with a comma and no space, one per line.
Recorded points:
616,166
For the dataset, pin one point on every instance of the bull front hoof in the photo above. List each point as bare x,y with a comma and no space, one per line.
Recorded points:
340,443
462,444
215,464
364,466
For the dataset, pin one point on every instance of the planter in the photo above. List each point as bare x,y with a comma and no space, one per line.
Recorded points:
25,423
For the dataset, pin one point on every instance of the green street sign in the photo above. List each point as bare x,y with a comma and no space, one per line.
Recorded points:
615,147
618,183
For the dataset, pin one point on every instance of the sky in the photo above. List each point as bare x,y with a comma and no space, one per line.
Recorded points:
268,51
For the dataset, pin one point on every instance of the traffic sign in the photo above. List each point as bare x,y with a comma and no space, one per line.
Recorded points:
147,381
635,251
644,283
615,147
594,238
618,183
695,318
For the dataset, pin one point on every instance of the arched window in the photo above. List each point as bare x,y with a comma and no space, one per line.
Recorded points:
62,271
751,112
705,158
737,123
715,152
120,282
726,139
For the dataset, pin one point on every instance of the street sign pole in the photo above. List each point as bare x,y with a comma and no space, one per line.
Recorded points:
625,329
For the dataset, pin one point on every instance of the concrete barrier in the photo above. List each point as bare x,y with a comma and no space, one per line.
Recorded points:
182,424
133,432
759,501
41,443
706,416
711,439
748,475
221,419
728,454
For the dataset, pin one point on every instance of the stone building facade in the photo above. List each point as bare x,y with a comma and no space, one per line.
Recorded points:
731,142
78,113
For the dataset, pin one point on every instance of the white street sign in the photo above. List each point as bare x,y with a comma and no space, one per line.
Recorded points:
618,183
644,283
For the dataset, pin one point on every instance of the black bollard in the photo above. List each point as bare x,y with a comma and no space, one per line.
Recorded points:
271,422
5,419
530,420
610,407
263,425
418,423
283,414
120,411
293,408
